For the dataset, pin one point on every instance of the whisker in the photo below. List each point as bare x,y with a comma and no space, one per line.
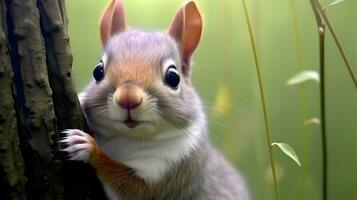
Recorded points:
205,123
100,111
183,131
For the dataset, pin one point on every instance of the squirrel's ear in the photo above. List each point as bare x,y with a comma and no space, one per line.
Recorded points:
112,21
186,28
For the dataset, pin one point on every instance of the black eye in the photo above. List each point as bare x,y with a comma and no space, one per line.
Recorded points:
98,72
172,77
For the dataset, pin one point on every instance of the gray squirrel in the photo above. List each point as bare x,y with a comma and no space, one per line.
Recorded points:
150,137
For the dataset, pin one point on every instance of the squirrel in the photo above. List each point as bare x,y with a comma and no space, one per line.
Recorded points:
149,131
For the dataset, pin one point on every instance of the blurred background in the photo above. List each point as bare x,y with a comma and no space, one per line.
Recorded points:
225,77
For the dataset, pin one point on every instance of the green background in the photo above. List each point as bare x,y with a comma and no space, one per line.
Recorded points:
224,75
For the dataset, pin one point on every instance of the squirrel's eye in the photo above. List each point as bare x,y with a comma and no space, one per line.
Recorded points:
98,72
172,77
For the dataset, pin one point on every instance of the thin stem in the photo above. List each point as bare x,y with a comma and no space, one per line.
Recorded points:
321,30
305,134
323,112
262,96
319,21
340,48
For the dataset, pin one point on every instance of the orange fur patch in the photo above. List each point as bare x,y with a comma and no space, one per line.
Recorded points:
136,71
119,177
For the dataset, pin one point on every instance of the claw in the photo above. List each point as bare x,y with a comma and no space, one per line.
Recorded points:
79,144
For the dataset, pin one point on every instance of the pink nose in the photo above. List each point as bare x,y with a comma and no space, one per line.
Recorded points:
129,104
129,96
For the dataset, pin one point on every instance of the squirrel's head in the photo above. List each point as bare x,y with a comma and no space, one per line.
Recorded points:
142,84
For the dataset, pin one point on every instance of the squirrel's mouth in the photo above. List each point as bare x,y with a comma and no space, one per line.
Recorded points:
130,123
133,123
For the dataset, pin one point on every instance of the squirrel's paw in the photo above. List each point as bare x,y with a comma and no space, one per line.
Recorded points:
79,145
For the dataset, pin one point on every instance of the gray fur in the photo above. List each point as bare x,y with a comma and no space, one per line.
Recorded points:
204,174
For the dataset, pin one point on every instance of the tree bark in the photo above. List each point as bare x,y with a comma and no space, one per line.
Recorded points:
37,100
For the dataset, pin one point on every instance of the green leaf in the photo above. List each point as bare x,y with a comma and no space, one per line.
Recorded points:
315,121
335,2
304,76
289,151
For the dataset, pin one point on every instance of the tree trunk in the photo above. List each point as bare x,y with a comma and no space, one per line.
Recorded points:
37,101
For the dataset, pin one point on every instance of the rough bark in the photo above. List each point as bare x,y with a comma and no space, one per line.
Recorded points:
38,100
12,182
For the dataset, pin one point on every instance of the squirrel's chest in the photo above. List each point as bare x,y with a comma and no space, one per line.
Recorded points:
150,159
